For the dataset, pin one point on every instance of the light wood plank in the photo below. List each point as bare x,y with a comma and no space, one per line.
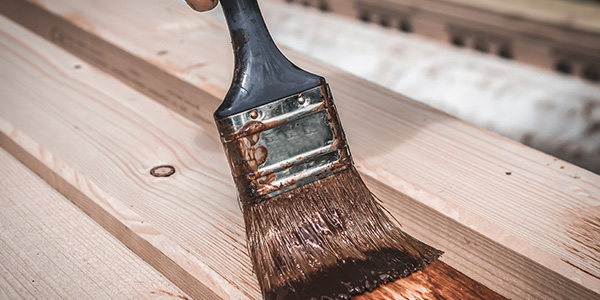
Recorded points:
572,14
45,114
569,13
545,110
542,33
49,249
432,165
85,134
56,120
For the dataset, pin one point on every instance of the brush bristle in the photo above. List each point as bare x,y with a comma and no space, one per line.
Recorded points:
330,238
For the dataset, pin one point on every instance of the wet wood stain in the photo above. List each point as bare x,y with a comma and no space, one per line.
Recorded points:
437,281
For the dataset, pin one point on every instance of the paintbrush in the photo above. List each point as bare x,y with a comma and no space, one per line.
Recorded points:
313,228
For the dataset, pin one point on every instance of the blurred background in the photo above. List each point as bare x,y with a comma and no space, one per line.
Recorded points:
525,69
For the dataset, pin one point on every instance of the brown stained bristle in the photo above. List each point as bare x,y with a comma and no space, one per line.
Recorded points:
329,239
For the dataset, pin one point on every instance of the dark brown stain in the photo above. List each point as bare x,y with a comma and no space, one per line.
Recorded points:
246,157
263,181
322,248
269,124
287,165
437,281
239,39
246,169
249,128
252,156
350,276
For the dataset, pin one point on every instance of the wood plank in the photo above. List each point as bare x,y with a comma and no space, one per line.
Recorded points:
539,211
575,15
555,112
467,184
96,146
49,249
572,14
543,33
98,152
438,281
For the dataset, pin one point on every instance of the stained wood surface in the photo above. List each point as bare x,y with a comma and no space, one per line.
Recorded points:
438,281
94,140
536,214
51,250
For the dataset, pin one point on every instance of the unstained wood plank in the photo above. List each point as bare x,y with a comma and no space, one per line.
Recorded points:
49,249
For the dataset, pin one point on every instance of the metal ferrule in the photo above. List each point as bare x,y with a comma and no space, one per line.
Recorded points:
285,144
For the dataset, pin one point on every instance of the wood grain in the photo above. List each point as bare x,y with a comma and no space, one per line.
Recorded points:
479,89
575,15
543,33
571,14
83,133
438,281
91,145
521,201
50,249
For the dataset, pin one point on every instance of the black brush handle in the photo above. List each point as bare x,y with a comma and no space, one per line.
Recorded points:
262,73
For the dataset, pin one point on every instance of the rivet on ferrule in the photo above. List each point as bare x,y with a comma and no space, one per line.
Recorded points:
301,99
253,114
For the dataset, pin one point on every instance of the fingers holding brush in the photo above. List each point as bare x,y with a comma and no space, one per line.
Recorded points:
202,5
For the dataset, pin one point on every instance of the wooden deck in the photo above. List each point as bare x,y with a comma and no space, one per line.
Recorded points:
137,90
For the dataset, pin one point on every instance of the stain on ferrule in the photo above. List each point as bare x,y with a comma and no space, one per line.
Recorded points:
297,140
